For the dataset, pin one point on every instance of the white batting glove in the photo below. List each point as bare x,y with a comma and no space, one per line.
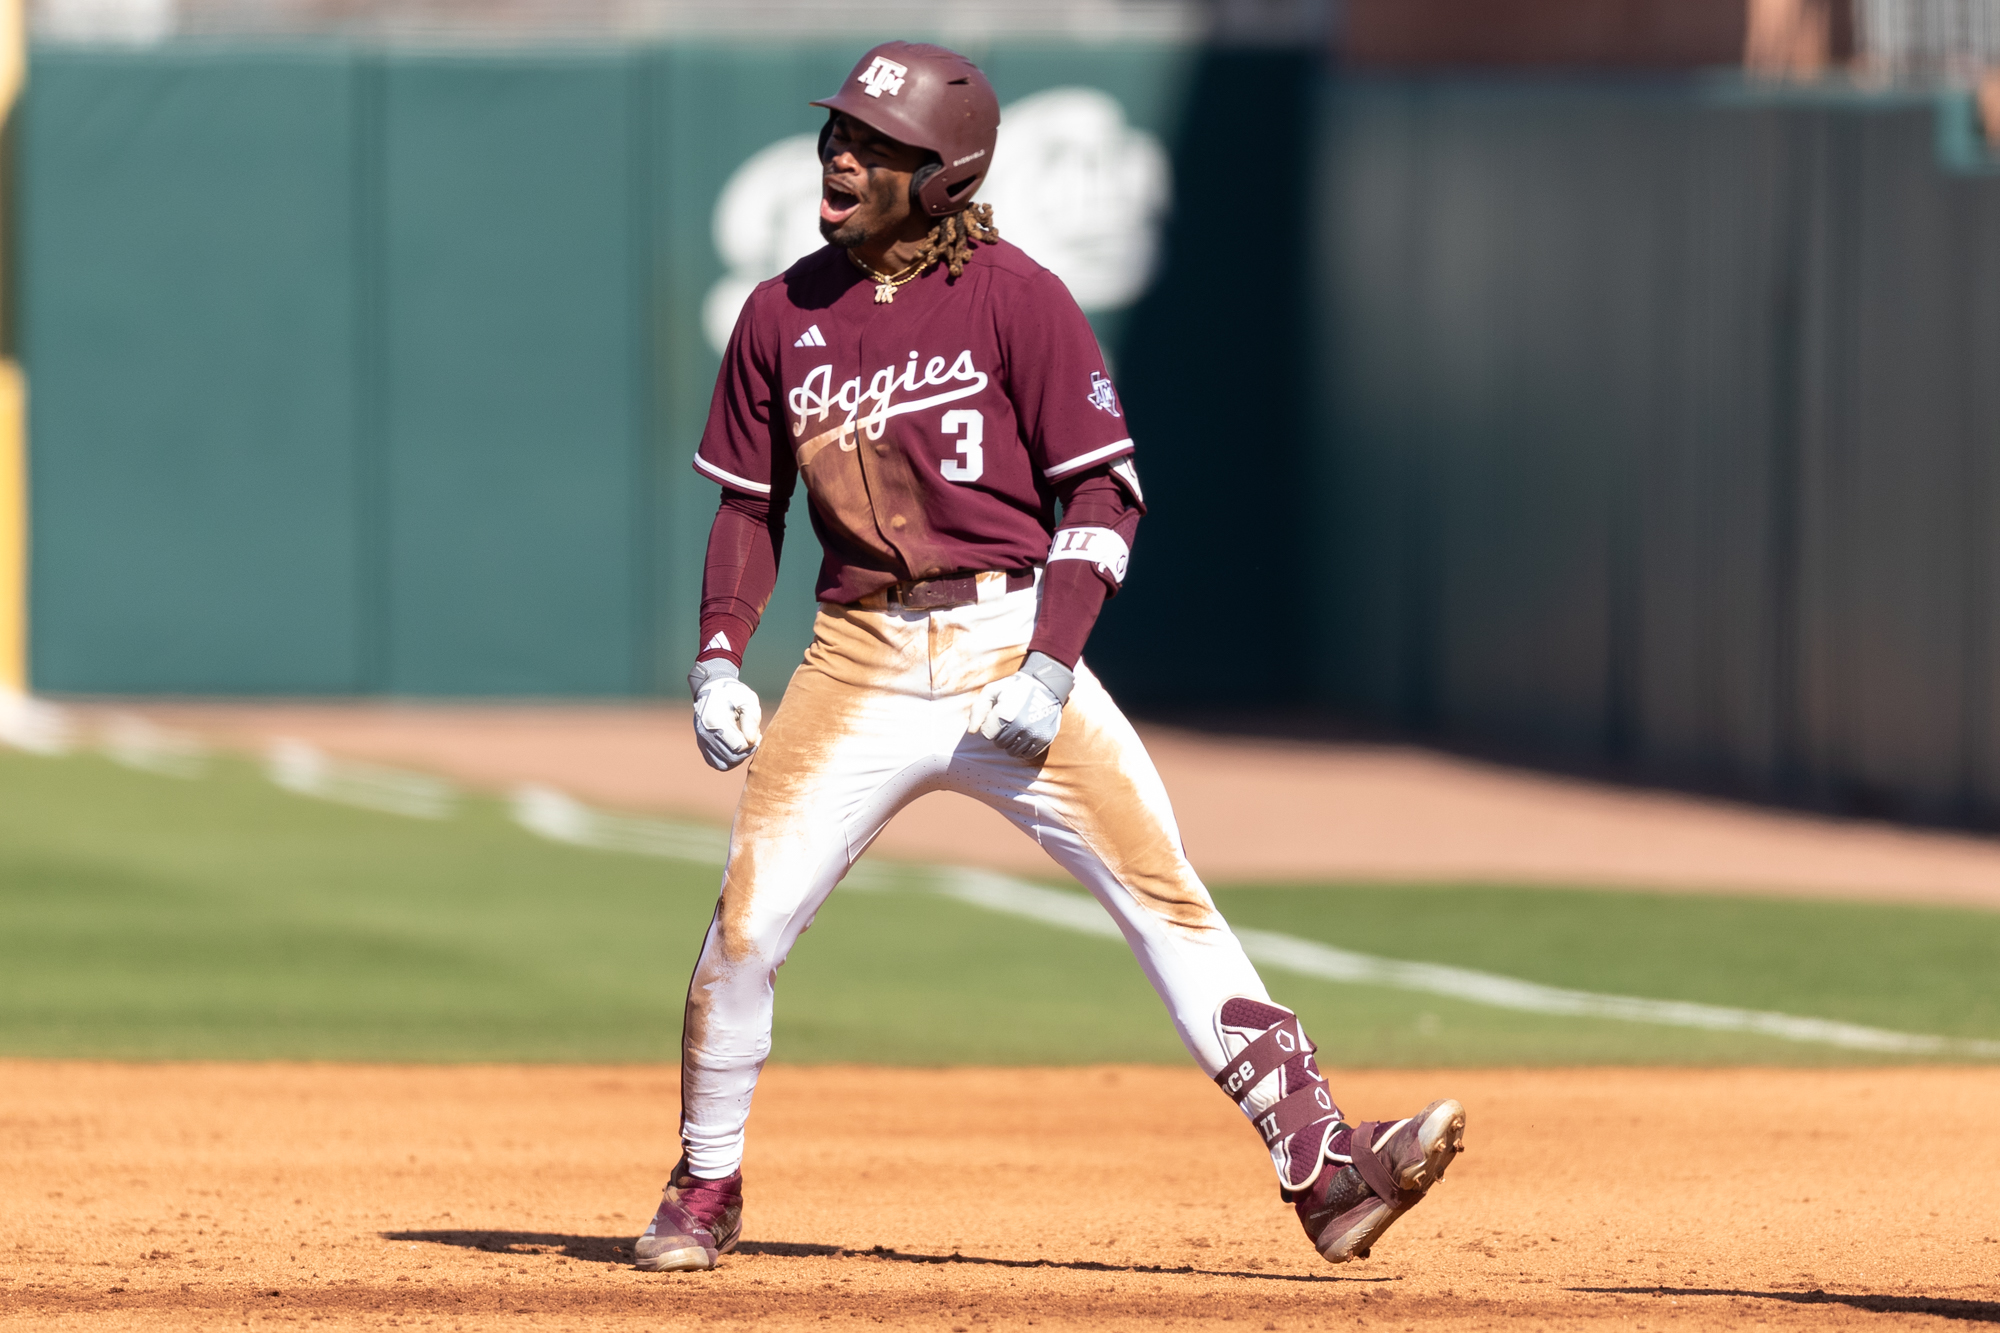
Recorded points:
1022,713
728,719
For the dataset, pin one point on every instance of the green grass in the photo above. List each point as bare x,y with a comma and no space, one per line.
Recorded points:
1914,968
144,916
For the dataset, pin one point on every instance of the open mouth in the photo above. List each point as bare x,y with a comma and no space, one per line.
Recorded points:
835,204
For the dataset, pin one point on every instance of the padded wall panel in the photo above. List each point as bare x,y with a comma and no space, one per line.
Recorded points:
1665,432
513,369
190,331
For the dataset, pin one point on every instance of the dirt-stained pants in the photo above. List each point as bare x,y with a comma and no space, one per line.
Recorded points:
874,718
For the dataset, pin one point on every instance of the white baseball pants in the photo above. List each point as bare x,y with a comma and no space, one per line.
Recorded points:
875,717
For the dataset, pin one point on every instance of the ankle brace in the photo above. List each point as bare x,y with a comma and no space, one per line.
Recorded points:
1272,1076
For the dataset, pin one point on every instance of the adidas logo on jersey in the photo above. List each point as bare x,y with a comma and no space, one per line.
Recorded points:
721,641
812,337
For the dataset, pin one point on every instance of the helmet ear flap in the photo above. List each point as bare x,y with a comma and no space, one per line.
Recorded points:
922,177
935,195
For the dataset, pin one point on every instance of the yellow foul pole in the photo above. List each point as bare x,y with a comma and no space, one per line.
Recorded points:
13,414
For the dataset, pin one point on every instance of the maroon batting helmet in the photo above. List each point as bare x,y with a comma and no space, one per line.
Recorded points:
930,98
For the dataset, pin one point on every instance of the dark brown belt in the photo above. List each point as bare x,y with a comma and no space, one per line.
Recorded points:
943,594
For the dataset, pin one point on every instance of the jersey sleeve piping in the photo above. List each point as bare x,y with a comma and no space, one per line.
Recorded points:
1085,460
731,479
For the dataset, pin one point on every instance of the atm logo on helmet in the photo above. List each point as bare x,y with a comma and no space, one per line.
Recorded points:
883,76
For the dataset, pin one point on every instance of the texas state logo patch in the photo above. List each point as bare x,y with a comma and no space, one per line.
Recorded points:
1102,396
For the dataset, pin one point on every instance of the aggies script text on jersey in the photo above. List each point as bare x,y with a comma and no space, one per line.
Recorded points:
931,433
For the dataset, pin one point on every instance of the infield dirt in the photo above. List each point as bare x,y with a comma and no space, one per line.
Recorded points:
240,1195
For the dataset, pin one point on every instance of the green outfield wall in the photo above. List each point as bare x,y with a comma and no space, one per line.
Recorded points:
1650,424
1661,427
379,372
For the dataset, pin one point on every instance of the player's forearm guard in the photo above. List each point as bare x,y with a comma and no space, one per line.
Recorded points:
1100,546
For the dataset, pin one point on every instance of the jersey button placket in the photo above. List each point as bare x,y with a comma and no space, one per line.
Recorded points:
870,477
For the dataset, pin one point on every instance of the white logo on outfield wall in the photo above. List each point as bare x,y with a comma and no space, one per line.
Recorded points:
1073,184
135,21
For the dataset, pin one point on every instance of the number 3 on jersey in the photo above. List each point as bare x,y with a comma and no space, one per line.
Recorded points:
973,465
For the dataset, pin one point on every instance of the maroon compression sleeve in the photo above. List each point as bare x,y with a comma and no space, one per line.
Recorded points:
1073,591
1072,595
739,573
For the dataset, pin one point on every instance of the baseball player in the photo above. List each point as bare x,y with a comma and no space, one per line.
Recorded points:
969,474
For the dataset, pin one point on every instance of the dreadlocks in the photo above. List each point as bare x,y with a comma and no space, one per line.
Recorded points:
951,241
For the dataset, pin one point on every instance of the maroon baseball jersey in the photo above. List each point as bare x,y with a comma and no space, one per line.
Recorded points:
930,431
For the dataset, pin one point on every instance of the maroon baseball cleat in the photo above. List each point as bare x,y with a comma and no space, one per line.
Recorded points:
699,1221
1375,1173
1348,1182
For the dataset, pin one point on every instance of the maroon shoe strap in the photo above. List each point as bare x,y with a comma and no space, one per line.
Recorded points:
1374,1167
1298,1131
703,1198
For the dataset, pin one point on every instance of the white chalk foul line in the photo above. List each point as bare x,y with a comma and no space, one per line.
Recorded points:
1310,958
306,771
30,725
131,740
36,727
562,818
553,815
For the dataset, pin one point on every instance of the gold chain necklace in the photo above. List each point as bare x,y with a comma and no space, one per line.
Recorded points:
887,283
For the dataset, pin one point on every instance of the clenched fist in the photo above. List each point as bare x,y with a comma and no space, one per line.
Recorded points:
728,719
1022,713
